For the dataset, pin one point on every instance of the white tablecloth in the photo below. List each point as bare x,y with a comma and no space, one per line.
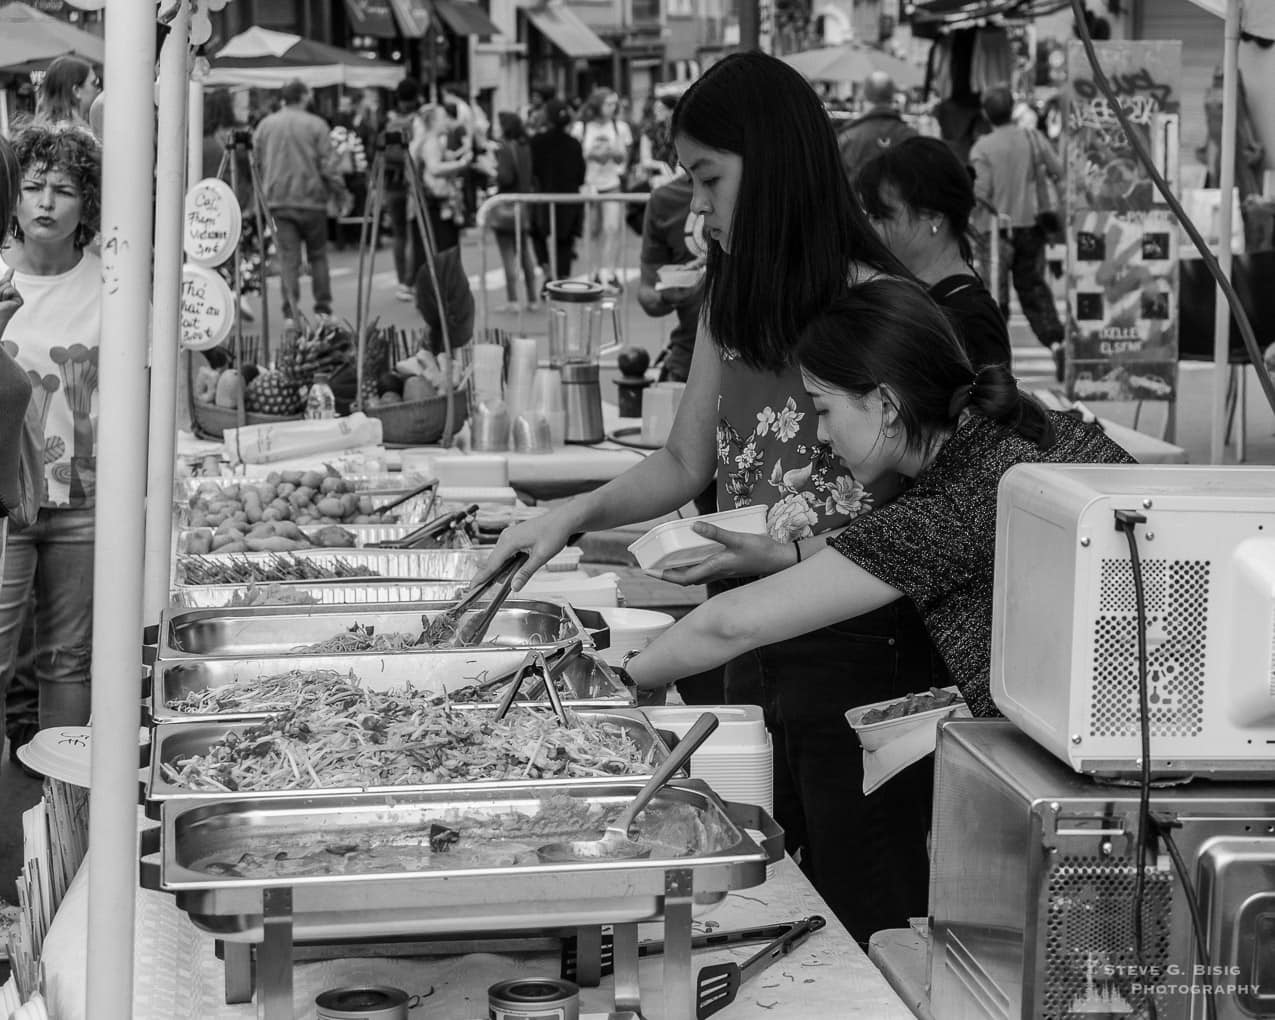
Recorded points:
178,977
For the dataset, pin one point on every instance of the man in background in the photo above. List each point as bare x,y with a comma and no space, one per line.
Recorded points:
1005,168
298,176
878,129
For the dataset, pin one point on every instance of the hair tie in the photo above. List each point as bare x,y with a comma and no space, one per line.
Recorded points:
960,400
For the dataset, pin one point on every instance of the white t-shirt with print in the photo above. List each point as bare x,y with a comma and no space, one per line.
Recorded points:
55,336
606,147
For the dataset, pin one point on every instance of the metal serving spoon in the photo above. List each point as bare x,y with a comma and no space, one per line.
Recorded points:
615,844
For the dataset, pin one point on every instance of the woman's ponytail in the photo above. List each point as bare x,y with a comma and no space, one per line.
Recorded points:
994,394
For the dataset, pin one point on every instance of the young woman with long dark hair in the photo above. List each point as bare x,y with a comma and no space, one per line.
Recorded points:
786,237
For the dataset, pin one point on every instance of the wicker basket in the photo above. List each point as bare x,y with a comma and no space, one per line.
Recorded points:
212,420
420,422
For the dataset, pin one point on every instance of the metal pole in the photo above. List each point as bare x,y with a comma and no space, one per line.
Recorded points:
127,175
1226,185
195,132
170,191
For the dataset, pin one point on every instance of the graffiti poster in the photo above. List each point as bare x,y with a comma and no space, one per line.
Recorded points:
1122,305
1103,170
1122,243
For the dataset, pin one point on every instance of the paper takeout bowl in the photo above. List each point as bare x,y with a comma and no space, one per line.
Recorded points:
874,736
675,543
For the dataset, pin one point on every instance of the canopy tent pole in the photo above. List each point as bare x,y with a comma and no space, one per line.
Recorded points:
1226,185
170,191
4,111
195,131
127,172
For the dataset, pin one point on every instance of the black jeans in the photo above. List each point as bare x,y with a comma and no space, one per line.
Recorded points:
866,856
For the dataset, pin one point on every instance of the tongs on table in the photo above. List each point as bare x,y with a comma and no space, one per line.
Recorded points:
445,628
431,531
717,984
655,947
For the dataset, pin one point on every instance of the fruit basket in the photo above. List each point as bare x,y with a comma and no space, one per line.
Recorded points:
211,420
419,422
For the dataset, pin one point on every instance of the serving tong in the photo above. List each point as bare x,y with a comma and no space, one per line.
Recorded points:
445,628
432,531
431,486
570,961
551,668
534,659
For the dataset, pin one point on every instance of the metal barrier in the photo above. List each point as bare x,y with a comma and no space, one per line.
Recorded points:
584,258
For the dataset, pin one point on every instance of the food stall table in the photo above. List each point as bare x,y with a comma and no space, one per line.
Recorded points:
177,975
902,955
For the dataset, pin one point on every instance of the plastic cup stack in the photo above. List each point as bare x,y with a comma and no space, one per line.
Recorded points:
546,402
518,379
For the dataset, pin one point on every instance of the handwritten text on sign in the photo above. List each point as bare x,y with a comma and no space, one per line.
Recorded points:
206,308
212,223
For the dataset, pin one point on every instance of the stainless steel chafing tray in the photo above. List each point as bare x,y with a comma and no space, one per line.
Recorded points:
181,740
383,488
337,592
279,631
381,564
586,682
443,900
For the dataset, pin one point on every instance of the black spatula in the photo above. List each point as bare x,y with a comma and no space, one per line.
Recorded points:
717,985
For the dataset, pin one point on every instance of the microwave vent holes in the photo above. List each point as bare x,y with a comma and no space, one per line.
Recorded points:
1177,629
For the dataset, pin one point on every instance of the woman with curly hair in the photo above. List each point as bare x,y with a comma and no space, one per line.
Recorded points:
785,238
67,91
54,336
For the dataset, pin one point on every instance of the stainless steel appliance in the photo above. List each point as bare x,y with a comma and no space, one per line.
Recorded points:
578,312
1065,626
1032,879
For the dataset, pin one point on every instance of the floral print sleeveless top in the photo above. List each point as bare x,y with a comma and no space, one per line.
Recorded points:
767,453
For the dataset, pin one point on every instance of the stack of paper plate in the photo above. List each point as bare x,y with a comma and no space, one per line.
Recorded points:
736,760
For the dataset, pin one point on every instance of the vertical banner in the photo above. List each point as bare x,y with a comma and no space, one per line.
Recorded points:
1122,242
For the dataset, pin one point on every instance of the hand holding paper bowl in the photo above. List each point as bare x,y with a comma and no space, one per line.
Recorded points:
732,543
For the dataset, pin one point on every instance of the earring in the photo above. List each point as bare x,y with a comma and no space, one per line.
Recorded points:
934,228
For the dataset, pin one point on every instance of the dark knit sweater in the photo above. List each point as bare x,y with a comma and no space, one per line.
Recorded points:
935,543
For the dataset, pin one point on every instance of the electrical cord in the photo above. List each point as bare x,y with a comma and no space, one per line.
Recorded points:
1164,828
1126,521
1162,186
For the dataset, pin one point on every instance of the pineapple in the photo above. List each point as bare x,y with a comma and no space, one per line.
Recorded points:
273,392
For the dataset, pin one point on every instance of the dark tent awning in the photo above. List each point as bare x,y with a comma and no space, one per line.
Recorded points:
465,17
565,30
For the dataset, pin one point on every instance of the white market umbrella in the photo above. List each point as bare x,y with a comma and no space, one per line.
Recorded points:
263,58
853,62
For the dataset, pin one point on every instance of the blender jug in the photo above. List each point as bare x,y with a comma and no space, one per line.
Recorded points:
577,313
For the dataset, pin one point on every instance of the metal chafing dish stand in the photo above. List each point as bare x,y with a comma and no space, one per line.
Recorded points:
586,682
178,740
576,897
267,631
